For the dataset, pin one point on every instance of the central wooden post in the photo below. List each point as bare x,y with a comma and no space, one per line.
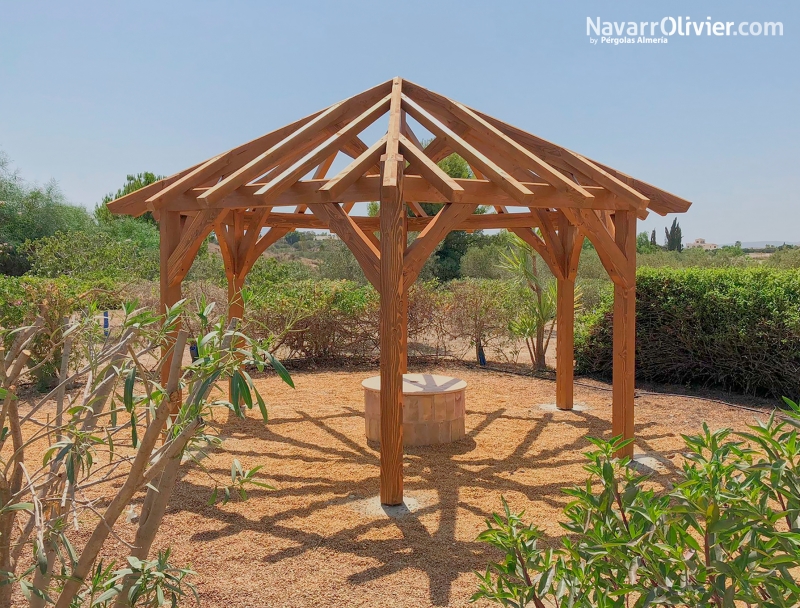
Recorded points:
169,228
392,321
404,302
624,374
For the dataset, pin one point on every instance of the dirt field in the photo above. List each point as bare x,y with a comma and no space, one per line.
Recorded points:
309,543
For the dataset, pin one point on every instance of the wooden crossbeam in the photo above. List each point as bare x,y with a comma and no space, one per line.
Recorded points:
418,189
415,224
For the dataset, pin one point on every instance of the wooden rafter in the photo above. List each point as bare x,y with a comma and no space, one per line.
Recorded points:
264,161
495,138
332,189
296,170
513,187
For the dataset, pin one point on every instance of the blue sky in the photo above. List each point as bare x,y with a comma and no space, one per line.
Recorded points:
92,91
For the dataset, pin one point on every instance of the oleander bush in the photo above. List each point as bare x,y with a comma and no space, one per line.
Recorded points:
733,328
727,534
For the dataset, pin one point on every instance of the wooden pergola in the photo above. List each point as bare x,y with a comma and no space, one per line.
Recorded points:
549,196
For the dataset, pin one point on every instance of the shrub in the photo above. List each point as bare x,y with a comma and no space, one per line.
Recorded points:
479,312
273,270
92,255
125,415
737,329
728,534
784,258
485,262
314,319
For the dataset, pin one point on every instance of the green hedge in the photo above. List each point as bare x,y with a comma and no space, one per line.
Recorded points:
732,328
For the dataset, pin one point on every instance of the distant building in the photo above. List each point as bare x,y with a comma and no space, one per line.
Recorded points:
701,244
325,237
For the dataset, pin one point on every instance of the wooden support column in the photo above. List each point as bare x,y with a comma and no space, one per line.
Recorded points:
404,303
169,227
392,322
571,243
624,374
565,342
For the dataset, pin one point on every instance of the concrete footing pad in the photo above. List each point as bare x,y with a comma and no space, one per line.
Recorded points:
372,507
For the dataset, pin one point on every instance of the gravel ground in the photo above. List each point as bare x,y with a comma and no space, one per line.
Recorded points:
317,540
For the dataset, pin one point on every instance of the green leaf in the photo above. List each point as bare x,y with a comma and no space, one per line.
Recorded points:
127,393
19,506
134,432
279,368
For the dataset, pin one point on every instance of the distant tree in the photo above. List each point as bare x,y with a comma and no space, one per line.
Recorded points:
447,258
644,243
132,184
292,237
738,244
653,239
30,212
673,237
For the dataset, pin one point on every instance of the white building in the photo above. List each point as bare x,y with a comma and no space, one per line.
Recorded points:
701,243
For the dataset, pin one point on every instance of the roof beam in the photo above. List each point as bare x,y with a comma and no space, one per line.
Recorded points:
428,169
332,189
299,168
635,191
415,224
264,161
498,175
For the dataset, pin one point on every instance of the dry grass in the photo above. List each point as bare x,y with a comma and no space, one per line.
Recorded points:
304,544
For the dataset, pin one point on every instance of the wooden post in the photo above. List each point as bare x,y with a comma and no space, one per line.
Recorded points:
565,342
392,218
624,374
404,302
169,228
235,302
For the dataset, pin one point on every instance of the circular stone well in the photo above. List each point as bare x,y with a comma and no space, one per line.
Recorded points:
433,409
